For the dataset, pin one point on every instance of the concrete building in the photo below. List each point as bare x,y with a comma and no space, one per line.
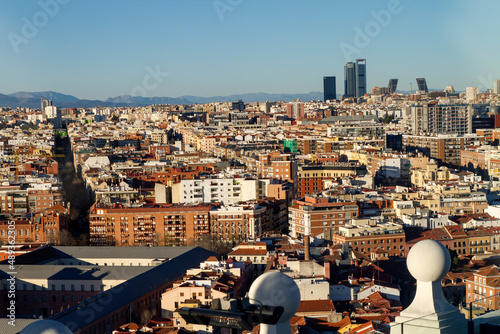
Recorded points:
214,190
432,118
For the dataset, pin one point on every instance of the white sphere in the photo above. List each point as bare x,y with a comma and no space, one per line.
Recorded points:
428,261
46,327
276,289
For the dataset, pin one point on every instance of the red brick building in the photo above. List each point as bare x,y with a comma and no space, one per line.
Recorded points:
366,239
484,283
160,225
314,215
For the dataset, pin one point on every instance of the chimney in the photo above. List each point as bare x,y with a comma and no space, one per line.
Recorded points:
307,251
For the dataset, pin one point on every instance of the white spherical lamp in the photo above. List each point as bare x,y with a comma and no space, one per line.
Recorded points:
46,327
428,261
276,289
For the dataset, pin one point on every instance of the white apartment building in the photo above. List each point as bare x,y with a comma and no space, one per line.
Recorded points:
222,190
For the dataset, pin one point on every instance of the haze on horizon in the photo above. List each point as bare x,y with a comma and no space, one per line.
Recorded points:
96,50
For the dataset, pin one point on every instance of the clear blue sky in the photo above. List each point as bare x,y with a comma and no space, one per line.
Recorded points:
96,49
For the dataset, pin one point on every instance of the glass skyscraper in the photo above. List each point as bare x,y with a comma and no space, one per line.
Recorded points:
329,89
349,80
422,85
360,77
355,78
393,84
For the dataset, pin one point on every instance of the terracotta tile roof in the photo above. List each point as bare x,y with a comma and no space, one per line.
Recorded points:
316,306
479,232
212,259
468,217
248,251
456,231
489,271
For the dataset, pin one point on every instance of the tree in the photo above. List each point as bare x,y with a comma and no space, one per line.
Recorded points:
213,244
82,240
387,119
138,144
66,239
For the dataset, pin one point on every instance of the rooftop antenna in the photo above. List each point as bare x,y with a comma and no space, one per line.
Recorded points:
411,91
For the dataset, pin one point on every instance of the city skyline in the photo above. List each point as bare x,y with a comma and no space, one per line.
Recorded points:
96,50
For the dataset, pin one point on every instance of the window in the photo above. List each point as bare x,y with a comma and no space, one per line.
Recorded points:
53,287
82,287
72,287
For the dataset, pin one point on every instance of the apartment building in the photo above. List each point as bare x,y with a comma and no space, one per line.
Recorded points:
432,118
214,190
479,240
160,225
241,222
43,226
313,215
255,252
366,239
277,166
445,148
483,288
311,178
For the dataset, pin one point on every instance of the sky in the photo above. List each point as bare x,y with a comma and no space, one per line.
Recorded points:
96,49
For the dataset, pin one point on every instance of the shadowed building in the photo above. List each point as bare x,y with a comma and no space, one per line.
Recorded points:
393,83
329,89
422,85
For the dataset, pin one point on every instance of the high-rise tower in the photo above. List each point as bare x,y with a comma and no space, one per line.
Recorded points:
360,77
393,83
329,89
496,87
422,85
350,80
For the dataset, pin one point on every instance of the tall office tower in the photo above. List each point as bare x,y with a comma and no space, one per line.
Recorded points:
360,77
329,89
496,87
422,85
393,83
350,80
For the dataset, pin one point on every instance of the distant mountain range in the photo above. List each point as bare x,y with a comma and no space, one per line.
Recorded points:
32,99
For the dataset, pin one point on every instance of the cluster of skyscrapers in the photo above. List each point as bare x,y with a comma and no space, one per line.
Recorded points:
354,81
